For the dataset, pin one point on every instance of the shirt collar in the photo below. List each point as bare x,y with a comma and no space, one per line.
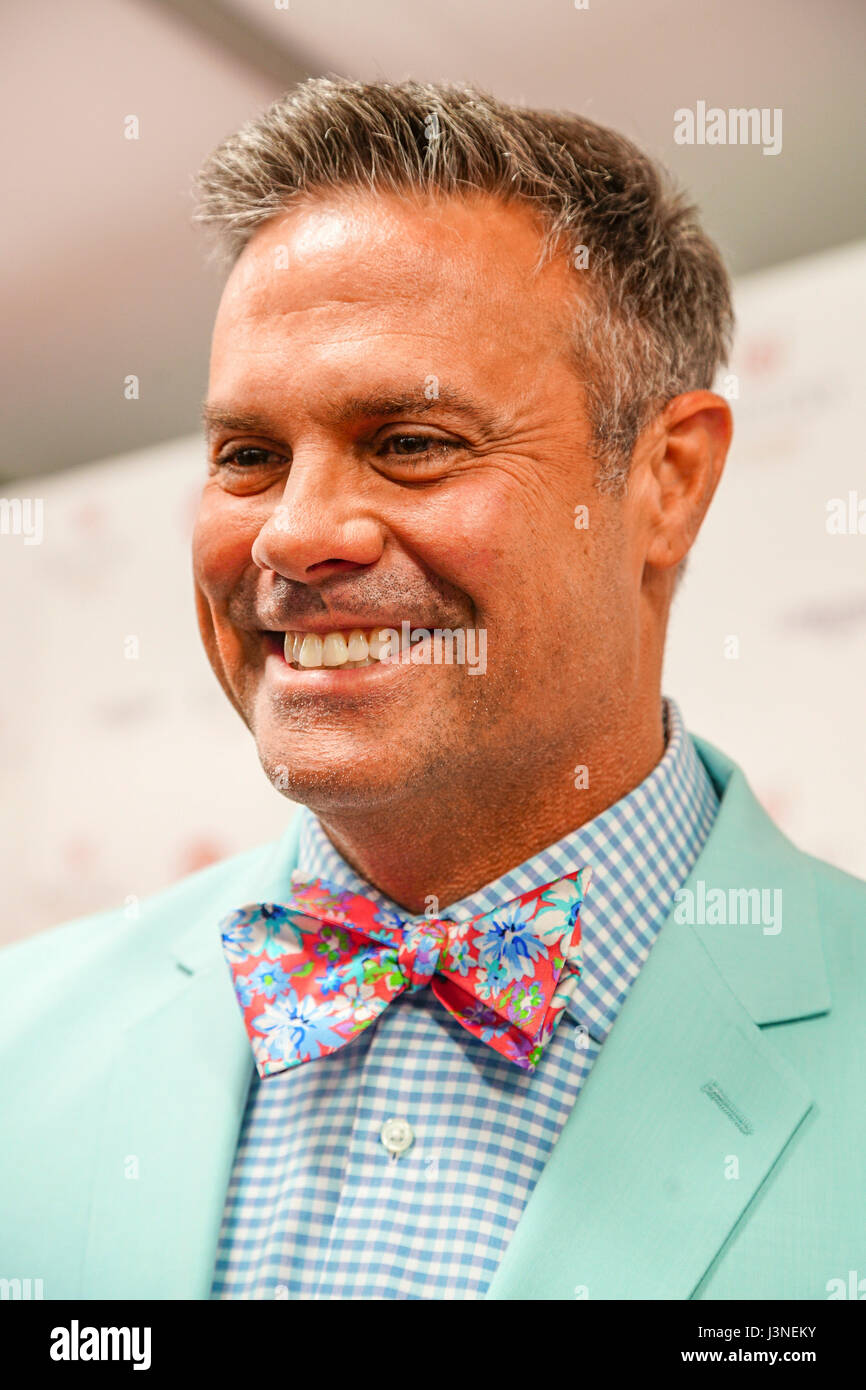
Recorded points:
641,851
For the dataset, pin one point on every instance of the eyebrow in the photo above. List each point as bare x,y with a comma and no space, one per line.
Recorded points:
380,406
215,418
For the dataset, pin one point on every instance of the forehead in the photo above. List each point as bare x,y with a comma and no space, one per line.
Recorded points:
418,278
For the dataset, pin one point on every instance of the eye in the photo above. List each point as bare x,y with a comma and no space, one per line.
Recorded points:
424,447
248,457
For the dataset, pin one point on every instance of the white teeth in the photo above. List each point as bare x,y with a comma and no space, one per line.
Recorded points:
378,646
310,653
357,650
335,651
346,649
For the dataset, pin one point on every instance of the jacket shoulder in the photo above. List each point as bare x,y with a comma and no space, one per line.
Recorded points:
840,896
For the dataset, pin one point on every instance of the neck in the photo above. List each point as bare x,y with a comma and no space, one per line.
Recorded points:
430,851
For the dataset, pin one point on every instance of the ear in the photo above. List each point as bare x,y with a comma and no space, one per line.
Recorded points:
683,453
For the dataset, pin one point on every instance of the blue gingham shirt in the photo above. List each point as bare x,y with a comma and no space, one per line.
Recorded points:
317,1207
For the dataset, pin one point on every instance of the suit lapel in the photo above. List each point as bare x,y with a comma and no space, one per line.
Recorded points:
174,1100
688,1107
776,970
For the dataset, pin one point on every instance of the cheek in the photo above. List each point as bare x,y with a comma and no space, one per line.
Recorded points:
512,550
466,536
222,541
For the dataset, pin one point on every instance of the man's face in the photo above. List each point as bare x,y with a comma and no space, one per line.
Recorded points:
398,434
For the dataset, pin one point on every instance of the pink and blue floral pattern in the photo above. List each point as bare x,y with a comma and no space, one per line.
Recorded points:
311,973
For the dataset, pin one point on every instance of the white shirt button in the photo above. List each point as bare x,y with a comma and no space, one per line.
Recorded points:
397,1136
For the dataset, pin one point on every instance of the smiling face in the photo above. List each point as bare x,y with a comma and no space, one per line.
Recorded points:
398,434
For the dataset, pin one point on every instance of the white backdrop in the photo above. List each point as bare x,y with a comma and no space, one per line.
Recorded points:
123,773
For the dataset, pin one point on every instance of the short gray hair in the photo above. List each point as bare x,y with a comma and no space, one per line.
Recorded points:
655,319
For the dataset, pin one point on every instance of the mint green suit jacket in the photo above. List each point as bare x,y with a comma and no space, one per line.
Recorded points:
716,1150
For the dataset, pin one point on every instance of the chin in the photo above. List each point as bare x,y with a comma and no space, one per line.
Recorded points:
332,783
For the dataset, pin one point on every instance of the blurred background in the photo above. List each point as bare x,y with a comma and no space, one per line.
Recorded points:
123,765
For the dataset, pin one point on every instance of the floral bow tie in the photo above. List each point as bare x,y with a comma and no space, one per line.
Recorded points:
312,973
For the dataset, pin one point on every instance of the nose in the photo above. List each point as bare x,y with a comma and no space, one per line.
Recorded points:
320,526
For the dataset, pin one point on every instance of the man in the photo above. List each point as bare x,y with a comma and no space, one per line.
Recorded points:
531,1000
